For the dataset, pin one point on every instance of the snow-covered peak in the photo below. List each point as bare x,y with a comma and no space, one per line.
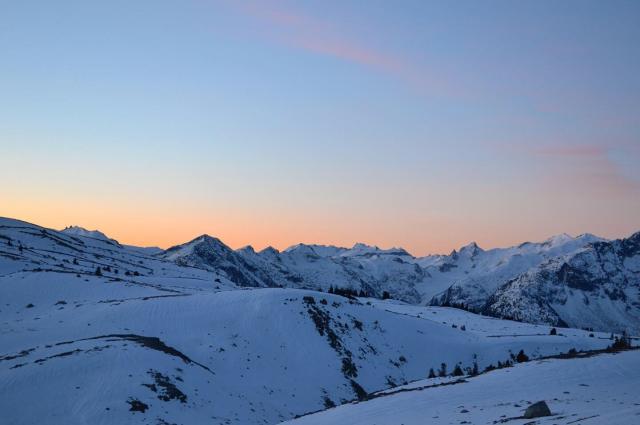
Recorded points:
556,240
563,243
361,249
314,250
269,251
301,248
472,249
210,253
247,250
328,250
81,231
364,247
203,243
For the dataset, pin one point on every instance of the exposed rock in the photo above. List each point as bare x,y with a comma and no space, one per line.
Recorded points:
537,410
137,406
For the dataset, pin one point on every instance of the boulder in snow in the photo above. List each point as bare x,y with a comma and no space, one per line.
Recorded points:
537,410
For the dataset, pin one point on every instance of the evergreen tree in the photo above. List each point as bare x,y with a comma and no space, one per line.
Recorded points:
98,271
522,357
443,370
432,373
457,371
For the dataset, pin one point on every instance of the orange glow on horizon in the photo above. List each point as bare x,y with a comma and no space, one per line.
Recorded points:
146,227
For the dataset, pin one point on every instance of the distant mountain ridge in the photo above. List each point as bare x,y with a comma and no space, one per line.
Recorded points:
487,281
534,282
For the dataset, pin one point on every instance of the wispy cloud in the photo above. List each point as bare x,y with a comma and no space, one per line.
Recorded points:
590,166
298,30
572,151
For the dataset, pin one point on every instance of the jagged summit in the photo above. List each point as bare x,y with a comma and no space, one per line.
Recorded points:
472,249
364,246
207,239
301,248
211,242
558,239
247,248
81,231
269,250
369,250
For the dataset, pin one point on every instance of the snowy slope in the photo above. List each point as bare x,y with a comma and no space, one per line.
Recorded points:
590,391
179,344
597,286
28,250
470,276
244,356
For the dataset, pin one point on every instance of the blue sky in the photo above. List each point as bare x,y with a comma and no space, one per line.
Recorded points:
413,123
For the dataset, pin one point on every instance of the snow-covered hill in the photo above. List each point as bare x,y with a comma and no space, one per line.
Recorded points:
92,331
591,391
245,356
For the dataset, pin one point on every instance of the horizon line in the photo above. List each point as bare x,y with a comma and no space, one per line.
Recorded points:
320,244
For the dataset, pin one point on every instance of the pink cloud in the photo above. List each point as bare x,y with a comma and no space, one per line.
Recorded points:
315,36
568,151
350,52
304,32
590,167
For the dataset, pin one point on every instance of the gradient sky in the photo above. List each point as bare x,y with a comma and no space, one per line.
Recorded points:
423,124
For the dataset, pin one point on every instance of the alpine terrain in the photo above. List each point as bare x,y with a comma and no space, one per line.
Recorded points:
94,331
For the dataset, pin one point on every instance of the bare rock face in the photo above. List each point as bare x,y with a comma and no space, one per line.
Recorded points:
537,410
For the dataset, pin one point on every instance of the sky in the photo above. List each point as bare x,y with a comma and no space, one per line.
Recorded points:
421,124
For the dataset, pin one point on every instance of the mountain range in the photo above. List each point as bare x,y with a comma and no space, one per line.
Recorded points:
101,332
582,281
